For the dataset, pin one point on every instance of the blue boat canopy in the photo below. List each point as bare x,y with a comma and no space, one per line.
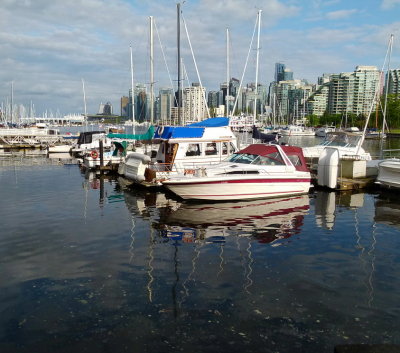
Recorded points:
170,132
212,122
194,130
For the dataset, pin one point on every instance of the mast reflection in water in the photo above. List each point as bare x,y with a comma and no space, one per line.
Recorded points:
91,265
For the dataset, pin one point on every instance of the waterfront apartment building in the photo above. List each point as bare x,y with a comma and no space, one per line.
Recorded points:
317,104
393,82
194,103
354,91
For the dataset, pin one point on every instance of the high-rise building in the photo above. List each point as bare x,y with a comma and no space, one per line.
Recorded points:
279,70
354,92
194,104
212,99
165,104
125,106
141,103
393,82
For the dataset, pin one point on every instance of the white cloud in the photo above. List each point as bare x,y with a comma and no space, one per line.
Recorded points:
388,4
340,14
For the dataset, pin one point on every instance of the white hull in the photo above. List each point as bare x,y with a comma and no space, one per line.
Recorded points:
297,133
94,163
389,173
231,188
59,149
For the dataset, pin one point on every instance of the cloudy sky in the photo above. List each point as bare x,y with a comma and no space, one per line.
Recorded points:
48,46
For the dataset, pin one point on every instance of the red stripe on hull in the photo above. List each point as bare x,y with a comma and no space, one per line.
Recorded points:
250,181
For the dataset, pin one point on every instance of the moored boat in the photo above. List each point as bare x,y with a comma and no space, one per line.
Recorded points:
389,173
181,149
257,171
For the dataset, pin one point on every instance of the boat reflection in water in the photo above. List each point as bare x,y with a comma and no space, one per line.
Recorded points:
327,201
267,221
387,209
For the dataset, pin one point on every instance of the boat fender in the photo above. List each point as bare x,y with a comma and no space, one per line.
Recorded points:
160,130
149,174
94,154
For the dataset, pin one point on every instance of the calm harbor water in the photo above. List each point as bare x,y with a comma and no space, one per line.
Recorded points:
90,265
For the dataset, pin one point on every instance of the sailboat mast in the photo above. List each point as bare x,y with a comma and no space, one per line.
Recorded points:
151,72
178,8
132,94
257,61
84,101
12,102
227,73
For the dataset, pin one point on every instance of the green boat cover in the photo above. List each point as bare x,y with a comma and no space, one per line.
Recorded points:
146,136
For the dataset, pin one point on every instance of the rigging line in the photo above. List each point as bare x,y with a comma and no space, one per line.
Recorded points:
221,264
189,277
132,244
376,95
151,268
195,65
245,66
249,280
371,252
165,60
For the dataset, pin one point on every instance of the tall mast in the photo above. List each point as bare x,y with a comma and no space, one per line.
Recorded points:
151,72
258,52
390,47
84,101
12,102
178,8
227,73
132,94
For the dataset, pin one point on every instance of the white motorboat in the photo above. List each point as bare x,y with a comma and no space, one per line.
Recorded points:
348,145
389,173
112,159
322,131
90,140
257,171
297,130
181,149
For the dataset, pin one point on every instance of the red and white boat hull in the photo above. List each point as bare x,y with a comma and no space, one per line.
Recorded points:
238,188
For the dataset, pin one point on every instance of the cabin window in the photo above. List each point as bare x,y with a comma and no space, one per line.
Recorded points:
193,149
225,148
228,148
211,149
296,161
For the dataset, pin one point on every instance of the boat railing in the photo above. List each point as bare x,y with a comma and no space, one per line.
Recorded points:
391,153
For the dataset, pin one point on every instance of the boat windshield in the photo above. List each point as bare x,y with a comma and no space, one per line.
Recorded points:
341,140
273,158
243,158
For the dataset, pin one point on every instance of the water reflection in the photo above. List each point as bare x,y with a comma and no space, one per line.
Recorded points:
327,201
387,209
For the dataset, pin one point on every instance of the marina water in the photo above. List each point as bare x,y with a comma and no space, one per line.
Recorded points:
91,265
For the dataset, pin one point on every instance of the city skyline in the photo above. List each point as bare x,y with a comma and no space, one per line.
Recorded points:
48,48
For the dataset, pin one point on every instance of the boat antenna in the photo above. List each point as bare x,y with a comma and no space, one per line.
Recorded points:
257,61
178,9
132,93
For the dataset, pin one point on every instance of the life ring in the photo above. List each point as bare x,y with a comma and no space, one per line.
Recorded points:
94,154
160,130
